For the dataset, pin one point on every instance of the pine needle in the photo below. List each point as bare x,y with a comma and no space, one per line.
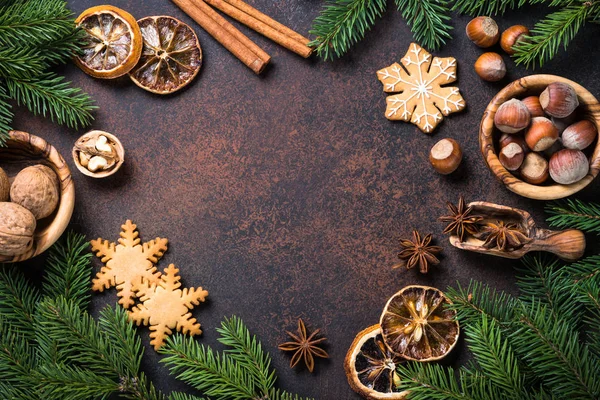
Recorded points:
574,214
427,20
6,114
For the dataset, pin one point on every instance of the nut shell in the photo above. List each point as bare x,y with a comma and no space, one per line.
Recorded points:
445,156
534,169
568,166
490,67
512,116
579,135
541,134
37,189
511,36
507,139
4,186
512,156
483,31
533,105
17,225
559,100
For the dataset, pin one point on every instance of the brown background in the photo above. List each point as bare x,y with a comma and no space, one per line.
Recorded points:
285,195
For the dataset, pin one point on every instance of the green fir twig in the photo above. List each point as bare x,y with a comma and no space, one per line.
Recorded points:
574,214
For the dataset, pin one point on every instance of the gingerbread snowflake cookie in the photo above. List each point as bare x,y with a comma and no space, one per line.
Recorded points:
166,307
420,97
127,263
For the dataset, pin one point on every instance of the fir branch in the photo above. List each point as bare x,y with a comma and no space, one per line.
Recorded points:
277,394
343,23
486,7
68,270
216,375
18,300
21,63
557,29
6,114
17,359
574,214
114,323
247,351
68,382
49,95
427,20
183,396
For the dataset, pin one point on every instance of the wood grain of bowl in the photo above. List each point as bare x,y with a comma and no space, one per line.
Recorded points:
23,150
488,136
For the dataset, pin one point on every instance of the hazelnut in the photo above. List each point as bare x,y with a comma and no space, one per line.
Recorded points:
512,116
512,36
483,31
507,139
563,123
511,156
37,189
490,67
568,166
534,169
533,105
445,156
541,134
4,186
17,225
557,146
579,135
559,100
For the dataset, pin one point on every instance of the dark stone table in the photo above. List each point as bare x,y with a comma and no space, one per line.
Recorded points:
284,195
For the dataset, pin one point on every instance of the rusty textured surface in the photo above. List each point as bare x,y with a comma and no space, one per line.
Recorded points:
285,195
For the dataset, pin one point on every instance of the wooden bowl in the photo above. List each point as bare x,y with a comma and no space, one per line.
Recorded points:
23,150
113,140
534,85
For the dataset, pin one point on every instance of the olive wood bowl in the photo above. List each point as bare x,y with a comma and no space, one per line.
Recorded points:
488,134
23,150
569,244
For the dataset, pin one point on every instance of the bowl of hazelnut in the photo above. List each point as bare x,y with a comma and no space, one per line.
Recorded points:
37,196
539,136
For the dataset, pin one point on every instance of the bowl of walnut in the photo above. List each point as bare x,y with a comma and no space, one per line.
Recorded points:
539,136
37,196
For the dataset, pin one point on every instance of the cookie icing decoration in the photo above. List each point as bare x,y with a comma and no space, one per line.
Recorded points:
420,97
127,263
164,306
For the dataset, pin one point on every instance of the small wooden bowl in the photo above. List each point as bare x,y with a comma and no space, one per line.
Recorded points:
534,85
23,150
116,144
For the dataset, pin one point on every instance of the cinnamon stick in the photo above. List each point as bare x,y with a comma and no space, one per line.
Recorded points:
290,43
253,12
237,43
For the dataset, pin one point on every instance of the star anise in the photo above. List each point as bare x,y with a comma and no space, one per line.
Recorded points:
418,252
502,235
304,346
461,221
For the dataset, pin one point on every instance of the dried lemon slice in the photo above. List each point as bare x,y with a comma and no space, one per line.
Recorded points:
171,57
113,43
417,324
371,366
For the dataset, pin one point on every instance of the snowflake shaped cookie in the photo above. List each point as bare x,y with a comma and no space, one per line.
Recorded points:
421,99
166,307
127,263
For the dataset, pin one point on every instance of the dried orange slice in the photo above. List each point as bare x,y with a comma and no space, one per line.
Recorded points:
417,324
371,366
171,57
114,42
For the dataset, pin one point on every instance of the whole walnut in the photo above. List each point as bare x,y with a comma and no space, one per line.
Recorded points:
4,186
17,225
37,189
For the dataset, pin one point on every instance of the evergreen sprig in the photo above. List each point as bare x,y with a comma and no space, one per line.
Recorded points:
428,21
34,35
574,214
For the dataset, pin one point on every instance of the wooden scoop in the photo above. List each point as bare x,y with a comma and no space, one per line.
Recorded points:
568,244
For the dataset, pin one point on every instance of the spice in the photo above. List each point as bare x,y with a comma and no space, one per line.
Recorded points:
418,252
504,236
461,221
304,347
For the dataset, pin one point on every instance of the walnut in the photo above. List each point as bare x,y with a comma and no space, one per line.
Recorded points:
37,189
4,186
17,225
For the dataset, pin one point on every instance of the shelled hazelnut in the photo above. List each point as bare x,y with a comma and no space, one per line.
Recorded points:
512,116
445,156
98,154
568,166
541,134
490,67
579,135
512,156
559,100
483,31
533,105
534,169
512,36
